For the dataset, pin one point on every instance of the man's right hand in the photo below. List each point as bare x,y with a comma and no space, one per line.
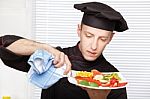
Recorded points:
60,59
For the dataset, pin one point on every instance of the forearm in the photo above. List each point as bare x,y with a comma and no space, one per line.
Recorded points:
97,94
15,48
27,47
9,58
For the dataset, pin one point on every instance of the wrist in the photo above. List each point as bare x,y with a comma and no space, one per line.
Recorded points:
48,48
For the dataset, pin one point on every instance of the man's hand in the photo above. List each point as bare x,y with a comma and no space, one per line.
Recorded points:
60,59
97,94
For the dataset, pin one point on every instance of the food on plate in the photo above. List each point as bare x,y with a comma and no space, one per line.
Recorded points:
96,78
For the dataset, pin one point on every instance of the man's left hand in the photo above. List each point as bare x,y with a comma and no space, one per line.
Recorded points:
96,93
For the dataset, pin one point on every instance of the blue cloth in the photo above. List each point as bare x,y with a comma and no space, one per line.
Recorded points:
42,72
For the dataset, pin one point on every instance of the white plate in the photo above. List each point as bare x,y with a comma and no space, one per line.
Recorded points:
73,81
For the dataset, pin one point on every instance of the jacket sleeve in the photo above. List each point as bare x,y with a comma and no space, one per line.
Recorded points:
11,59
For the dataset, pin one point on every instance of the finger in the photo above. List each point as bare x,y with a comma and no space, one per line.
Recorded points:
61,60
56,59
68,65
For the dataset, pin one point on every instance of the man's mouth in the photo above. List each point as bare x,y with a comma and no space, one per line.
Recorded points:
91,53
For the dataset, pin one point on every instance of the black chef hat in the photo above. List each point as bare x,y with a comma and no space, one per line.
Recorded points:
102,16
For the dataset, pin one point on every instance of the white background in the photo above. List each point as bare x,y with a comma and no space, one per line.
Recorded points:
15,18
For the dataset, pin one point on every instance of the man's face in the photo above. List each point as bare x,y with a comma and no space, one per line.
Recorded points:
93,41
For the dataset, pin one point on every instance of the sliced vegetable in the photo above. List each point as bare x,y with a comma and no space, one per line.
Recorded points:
88,79
106,84
84,82
120,84
96,72
84,74
93,84
96,79
110,76
104,81
116,76
113,81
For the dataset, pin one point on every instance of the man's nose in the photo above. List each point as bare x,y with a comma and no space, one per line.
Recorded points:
94,44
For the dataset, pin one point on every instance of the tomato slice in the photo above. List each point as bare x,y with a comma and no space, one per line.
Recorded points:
88,79
106,84
96,72
113,81
120,84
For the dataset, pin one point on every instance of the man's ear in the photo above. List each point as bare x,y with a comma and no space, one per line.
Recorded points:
79,29
111,36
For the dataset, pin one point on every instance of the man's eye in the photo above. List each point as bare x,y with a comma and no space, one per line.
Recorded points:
104,39
88,35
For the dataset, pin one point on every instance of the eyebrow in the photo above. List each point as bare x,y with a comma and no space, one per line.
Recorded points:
93,34
89,32
104,36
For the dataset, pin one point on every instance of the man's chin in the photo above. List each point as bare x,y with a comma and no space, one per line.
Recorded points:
90,58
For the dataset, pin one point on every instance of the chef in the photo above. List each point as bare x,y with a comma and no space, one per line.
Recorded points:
95,31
